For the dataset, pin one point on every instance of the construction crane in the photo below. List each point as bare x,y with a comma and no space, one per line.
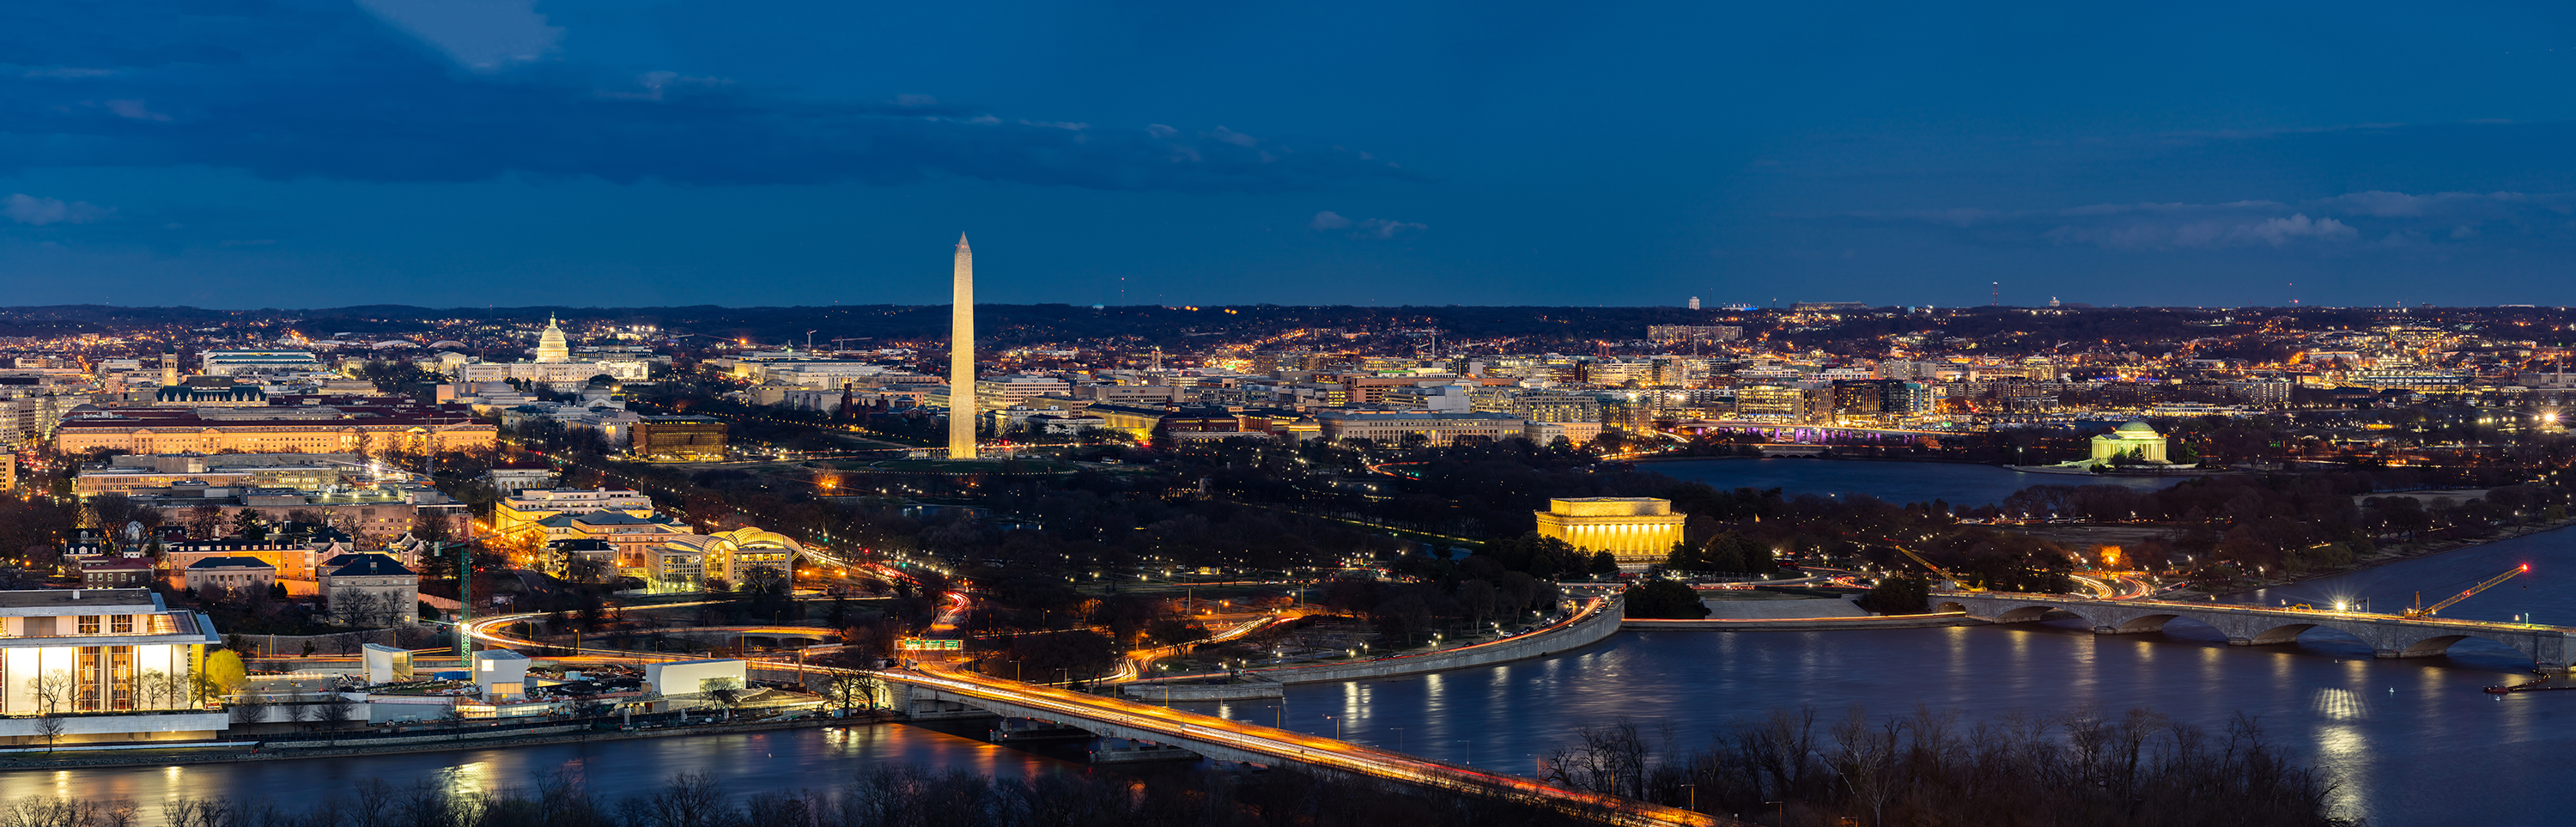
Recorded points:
2421,610
1945,573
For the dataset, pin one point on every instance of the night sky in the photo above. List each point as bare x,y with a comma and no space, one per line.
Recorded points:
310,153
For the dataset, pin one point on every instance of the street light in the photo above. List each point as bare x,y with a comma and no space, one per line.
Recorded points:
1337,727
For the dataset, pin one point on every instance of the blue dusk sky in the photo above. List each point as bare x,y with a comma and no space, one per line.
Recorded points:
315,153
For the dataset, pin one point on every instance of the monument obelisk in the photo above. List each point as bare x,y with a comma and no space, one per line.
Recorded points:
961,357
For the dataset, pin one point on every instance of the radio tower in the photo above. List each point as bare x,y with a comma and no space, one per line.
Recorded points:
961,357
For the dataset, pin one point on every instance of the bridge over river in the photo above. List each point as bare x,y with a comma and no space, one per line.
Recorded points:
935,690
2389,636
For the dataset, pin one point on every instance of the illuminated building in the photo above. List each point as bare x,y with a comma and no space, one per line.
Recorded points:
685,438
127,473
1436,429
732,555
2137,441
237,362
1638,531
273,429
371,590
962,411
629,535
554,365
533,505
101,650
214,576
210,392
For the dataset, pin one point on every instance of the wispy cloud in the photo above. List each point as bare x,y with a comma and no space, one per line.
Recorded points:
1376,228
323,88
2393,217
28,209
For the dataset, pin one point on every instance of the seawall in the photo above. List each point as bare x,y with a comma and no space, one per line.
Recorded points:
1584,630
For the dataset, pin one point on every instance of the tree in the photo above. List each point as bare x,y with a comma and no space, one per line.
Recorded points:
1604,565
1901,595
246,710
224,672
50,726
248,524
299,708
203,521
727,692
335,709
849,691
1665,600
52,690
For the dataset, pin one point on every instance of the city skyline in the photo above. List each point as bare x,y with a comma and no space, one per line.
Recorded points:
523,153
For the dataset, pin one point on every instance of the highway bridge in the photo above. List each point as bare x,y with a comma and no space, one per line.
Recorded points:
2389,636
936,689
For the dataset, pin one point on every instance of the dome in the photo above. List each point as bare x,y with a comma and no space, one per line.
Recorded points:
2137,430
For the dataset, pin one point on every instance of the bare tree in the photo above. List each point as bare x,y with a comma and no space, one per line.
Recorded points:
299,708
52,690
50,726
246,710
153,689
335,709
849,691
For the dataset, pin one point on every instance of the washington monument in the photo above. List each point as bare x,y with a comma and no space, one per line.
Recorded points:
961,357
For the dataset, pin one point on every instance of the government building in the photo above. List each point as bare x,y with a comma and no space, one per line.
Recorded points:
554,365
1638,531
287,425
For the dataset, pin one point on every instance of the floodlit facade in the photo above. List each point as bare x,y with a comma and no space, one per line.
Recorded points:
2137,440
554,365
1638,531
65,651
533,505
732,555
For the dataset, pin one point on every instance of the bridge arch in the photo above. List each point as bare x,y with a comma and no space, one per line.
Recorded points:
2144,623
2284,633
2025,614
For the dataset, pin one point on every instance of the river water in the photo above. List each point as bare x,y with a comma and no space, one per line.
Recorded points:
2413,741
1897,482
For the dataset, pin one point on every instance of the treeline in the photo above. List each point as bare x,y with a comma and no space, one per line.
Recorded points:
894,796
2138,769
2287,523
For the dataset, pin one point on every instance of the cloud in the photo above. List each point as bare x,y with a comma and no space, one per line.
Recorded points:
2453,217
480,35
321,88
29,209
1376,228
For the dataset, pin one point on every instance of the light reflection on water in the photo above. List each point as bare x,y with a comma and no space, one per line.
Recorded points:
2412,741
816,759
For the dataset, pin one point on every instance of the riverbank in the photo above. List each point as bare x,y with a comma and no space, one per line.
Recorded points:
2384,557
1803,624
180,753
1591,625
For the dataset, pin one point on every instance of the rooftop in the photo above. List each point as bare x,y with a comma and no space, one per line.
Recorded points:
86,599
